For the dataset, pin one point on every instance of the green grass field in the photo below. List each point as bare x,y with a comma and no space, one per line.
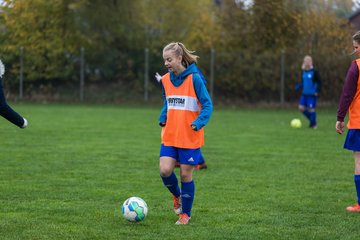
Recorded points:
67,175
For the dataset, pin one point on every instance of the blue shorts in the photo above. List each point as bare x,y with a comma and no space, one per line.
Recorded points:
182,155
308,101
352,141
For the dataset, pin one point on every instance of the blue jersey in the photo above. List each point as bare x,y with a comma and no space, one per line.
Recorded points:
309,86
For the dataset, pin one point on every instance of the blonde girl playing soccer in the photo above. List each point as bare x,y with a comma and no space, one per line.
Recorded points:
187,109
311,86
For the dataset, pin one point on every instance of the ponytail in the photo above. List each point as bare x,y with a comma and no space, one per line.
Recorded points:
180,50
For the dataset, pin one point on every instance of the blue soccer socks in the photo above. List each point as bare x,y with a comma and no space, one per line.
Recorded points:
307,114
187,191
312,119
171,182
187,196
311,116
357,186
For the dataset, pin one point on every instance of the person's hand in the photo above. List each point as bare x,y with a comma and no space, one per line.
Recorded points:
339,126
193,127
158,77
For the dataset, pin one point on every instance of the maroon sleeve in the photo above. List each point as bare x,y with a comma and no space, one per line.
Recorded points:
348,91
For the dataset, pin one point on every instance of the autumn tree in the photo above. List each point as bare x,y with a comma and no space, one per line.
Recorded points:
249,39
46,30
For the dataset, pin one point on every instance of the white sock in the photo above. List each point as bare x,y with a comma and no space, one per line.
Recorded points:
25,123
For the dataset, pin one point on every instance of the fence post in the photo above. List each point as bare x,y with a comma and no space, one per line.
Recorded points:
21,80
82,73
282,78
212,72
146,75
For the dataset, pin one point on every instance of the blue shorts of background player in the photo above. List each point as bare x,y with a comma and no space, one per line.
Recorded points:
307,105
308,101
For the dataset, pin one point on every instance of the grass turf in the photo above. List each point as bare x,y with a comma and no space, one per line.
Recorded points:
67,175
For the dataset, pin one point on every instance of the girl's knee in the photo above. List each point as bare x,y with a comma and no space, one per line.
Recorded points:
166,166
186,176
357,163
357,168
165,171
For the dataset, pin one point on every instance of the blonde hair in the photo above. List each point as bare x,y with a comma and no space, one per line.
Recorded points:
303,65
180,50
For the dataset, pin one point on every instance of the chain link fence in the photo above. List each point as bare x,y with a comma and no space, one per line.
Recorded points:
232,77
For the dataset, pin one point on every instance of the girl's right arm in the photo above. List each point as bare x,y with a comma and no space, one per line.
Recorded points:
205,101
163,113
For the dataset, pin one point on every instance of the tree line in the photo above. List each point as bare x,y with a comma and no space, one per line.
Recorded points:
249,38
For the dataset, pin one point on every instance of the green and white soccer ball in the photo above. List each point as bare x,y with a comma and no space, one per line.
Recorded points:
134,209
295,123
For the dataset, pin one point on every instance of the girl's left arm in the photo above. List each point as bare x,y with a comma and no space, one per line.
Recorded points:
205,101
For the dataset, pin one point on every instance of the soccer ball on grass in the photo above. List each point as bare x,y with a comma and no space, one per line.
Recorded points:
134,209
295,123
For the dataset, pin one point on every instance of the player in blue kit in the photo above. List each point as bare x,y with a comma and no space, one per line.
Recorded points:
311,86
5,110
